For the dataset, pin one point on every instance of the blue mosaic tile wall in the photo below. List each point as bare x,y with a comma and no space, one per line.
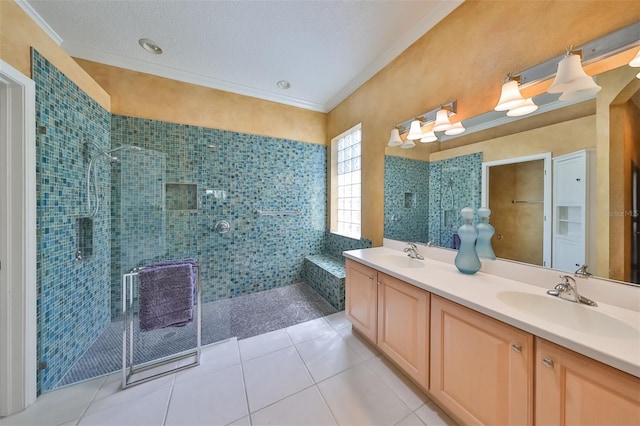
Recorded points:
406,199
247,173
73,304
454,183
335,244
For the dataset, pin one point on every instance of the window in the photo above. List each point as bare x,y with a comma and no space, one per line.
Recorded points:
346,179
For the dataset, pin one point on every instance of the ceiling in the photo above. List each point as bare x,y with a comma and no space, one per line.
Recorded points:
326,49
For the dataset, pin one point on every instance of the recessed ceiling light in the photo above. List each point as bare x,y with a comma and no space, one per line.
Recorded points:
150,46
283,84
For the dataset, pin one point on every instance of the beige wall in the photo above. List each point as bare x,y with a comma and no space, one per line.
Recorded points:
559,139
465,57
147,96
18,33
520,224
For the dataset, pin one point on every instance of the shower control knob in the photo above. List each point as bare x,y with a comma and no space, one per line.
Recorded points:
222,227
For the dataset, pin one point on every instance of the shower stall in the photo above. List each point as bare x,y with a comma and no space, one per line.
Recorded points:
117,192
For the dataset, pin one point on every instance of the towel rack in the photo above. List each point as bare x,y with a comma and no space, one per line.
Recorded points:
129,368
526,202
278,212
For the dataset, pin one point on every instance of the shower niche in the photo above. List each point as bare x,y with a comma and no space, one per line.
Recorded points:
84,245
181,196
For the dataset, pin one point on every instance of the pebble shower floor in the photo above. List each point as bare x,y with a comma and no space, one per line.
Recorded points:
240,317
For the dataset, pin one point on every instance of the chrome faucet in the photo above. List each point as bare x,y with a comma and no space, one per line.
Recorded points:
412,252
431,243
568,290
582,272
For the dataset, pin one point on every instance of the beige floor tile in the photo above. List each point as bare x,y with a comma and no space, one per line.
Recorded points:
273,377
305,408
358,396
216,398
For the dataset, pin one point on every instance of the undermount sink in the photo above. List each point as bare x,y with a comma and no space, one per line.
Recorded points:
569,314
400,261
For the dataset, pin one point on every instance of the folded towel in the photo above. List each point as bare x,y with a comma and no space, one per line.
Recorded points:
166,295
190,260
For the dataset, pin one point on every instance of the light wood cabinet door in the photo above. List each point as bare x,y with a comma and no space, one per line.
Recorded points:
361,299
481,368
572,389
403,332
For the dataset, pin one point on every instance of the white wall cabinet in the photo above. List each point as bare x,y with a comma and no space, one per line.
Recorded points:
573,205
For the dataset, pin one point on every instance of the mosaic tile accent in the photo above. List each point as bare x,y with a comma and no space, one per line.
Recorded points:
335,244
254,172
72,296
325,272
326,275
454,183
406,199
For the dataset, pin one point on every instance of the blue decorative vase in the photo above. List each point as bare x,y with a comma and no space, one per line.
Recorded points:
467,260
485,232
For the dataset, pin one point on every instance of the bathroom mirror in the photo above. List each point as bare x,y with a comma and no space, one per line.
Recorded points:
448,177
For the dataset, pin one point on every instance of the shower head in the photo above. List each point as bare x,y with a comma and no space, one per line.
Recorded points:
113,159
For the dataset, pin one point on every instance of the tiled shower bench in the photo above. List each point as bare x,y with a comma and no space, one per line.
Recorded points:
326,274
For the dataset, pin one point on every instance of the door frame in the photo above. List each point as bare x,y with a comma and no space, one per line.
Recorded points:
547,208
18,333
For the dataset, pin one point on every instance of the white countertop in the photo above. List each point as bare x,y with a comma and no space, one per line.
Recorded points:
607,333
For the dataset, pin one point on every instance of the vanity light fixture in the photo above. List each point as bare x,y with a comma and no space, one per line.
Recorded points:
427,133
414,131
394,138
510,96
527,107
408,144
511,99
424,126
571,80
442,120
455,129
635,63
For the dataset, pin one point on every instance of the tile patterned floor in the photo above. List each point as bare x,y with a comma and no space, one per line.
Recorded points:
314,373
241,317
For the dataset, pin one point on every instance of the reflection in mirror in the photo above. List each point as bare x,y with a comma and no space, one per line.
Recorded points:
446,176
518,192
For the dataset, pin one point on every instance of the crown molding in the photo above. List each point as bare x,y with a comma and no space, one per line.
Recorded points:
39,20
94,55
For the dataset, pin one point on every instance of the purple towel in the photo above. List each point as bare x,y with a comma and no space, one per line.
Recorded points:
166,296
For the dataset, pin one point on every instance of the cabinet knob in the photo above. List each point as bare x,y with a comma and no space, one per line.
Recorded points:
548,362
516,347
370,278
577,179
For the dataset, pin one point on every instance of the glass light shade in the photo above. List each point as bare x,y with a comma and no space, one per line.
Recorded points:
571,77
582,93
510,96
414,130
427,133
394,139
408,144
635,62
523,109
442,121
455,129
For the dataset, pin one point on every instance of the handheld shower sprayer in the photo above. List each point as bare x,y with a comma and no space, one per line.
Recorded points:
91,169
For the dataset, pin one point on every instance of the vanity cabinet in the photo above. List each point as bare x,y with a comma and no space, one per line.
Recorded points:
573,199
361,298
481,368
403,332
573,389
